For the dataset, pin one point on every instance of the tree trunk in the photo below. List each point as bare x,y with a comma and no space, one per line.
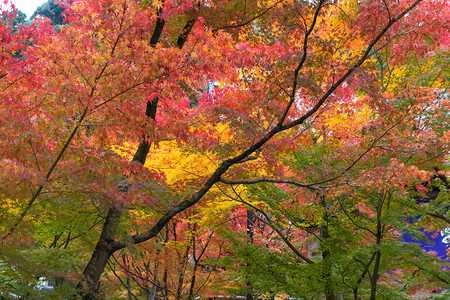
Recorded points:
104,248
373,289
376,267
98,261
165,294
250,225
196,262
326,267
184,262
193,278
326,253
151,295
130,294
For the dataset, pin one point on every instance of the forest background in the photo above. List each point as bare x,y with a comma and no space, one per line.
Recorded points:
175,149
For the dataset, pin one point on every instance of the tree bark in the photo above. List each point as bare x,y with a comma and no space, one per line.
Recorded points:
101,255
181,274
151,295
105,245
193,279
250,233
379,236
326,260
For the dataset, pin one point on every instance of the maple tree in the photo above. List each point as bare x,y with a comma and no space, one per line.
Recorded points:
385,167
86,109
178,265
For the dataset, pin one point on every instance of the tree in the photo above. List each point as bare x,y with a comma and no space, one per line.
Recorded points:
358,219
53,10
16,17
123,71
373,166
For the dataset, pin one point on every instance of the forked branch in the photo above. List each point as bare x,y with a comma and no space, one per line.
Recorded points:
225,165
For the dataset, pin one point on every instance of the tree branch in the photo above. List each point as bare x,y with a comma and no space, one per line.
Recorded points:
225,165
439,216
349,72
270,180
159,26
300,64
47,176
277,230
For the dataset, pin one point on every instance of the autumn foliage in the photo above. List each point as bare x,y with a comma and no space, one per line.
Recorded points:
175,149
